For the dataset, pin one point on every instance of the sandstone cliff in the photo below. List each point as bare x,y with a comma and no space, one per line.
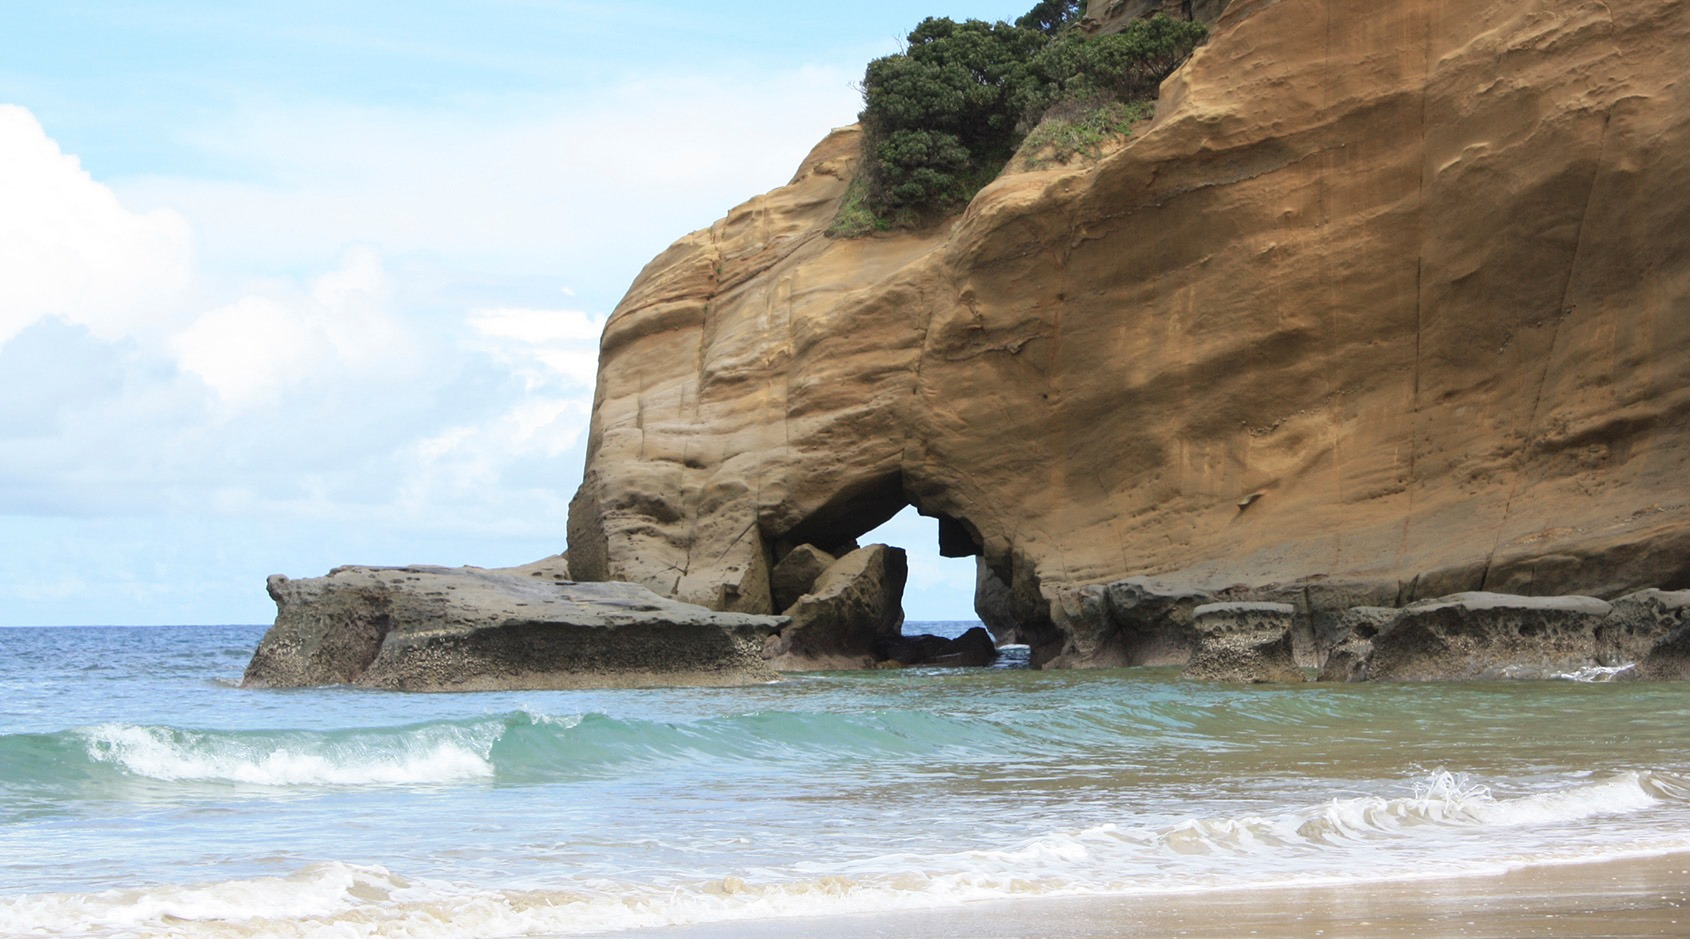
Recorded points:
1392,299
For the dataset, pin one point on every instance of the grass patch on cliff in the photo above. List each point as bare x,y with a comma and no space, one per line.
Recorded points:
855,218
1080,128
941,119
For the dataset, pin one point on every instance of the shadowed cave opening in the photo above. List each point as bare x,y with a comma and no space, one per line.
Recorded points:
935,581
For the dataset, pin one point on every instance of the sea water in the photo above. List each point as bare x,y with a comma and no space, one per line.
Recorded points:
143,793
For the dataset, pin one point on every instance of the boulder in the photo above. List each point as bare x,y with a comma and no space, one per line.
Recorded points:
554,568
1154,621
852,607
471,629
1669,660
994,604
1132,621
1347,661
797,573
1015,612
1488,636
1243,642
1348,657
1638,625
973,648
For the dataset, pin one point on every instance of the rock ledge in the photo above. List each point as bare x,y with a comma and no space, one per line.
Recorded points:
428,628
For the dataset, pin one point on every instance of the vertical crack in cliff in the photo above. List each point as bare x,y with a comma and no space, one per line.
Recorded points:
694,494
1323,208
1419,291
1529,438
639,414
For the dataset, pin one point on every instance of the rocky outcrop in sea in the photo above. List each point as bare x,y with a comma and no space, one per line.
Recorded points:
469,629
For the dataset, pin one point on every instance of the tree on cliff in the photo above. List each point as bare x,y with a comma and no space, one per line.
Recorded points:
944,115
1053,16
942,118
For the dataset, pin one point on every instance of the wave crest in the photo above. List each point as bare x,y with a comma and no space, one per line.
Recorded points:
429,755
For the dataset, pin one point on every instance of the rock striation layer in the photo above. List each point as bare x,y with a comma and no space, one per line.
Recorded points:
470,629
1390,301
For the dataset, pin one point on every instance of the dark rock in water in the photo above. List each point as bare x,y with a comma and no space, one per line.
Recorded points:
973,648
1488,636
1133,621
1348,661
994,604
797,573
1244,642
1348,658
1638,623
1656,611
853,606
470,629
1155,621
1017,617
1669,660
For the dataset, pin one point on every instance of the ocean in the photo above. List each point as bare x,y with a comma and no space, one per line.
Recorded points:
142,793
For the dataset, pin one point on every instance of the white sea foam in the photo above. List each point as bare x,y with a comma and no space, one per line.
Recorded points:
426,757
1595,673
1443,799
1328,843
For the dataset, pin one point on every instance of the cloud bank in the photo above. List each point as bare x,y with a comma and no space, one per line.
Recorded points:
373,339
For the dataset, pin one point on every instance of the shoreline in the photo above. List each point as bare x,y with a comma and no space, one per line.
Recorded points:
1644,897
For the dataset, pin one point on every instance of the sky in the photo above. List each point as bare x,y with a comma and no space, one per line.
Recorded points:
288,286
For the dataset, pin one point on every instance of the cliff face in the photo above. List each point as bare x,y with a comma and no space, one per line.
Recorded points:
1391,299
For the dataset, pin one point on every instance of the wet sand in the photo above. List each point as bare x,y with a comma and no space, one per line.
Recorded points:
1647,898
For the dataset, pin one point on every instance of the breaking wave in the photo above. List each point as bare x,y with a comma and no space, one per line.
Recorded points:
516,747
341,899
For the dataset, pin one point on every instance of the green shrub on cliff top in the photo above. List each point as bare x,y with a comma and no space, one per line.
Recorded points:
1128,65
1052,16
946,111
942,118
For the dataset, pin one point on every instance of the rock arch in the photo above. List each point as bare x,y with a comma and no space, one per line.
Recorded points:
1419,336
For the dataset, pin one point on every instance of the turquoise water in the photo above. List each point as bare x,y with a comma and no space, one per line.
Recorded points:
143,794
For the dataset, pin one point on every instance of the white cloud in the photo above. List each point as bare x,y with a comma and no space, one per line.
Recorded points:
586,188
356,332
329,394
549,348
252,349
538,326
69,248
554,352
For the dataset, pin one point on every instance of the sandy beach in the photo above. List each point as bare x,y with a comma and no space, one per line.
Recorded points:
1639,898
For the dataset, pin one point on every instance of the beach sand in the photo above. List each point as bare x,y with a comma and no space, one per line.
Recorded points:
1623,899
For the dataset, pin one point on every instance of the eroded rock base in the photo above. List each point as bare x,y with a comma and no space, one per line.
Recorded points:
1244,642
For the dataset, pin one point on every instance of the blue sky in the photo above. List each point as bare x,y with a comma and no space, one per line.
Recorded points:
285,286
